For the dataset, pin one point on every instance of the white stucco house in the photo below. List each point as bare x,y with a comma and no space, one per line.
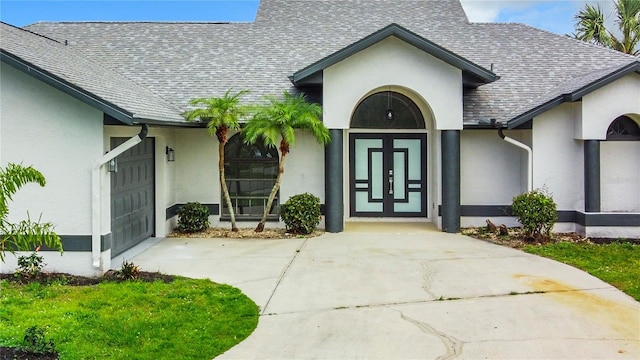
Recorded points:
433,119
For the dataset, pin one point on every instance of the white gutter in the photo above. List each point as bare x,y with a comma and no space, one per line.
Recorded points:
96,189
529,159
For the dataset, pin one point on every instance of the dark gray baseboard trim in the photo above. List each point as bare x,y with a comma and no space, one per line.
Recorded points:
564,216
214,209
78,243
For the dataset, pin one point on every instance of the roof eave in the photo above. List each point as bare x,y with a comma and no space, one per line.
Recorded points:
574,95
77,92
470,69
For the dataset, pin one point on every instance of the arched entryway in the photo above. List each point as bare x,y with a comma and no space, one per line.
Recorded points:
388,158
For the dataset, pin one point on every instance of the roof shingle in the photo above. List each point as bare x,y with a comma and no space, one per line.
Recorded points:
181,61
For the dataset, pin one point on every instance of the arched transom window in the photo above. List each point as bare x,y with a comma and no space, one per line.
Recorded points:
623,128
250,172
387,110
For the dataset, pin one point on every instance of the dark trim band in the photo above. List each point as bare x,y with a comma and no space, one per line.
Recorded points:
564,216
78,243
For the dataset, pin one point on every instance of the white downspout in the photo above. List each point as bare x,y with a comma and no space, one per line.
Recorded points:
529,159
96,189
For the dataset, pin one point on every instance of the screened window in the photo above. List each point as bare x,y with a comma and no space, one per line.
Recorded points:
387,110
250,172
623,128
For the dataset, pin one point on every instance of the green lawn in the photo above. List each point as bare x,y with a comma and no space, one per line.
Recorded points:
186,319
618,263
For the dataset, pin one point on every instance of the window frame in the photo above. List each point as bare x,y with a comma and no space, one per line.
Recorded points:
233,180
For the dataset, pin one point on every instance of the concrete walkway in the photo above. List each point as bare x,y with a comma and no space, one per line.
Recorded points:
398,292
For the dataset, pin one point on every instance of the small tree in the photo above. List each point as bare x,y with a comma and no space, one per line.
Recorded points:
26,234
222,114
277,122
536,211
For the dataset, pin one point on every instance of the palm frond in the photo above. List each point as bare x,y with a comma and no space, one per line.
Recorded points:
12,178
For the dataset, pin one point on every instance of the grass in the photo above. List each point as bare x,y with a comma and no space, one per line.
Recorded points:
617,263
186,319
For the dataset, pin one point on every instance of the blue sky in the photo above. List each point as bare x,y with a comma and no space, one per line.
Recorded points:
555,16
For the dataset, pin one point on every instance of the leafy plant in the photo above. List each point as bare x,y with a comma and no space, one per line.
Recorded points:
591,27
129,271
193,217
26,234
277,122
29,266
536,211
35,341
221,114
301,213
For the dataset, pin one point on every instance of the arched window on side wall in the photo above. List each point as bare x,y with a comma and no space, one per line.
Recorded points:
623,128
250,172
387,110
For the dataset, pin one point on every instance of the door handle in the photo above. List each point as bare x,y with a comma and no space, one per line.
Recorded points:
390,182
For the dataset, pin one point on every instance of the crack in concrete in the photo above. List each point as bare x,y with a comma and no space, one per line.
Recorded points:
282,275
453,345
415,302
428,272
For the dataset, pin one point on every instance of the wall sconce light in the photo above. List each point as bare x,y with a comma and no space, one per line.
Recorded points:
113,165
171,154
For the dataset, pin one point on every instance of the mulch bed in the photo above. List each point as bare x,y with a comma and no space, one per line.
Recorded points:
75,280
516,238
243,233
17,354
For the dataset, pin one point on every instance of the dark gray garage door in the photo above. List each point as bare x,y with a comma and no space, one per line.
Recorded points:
132,196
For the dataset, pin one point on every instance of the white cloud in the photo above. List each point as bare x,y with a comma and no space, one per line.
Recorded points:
489,10
552,15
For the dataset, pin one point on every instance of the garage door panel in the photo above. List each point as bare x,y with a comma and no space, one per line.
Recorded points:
132,196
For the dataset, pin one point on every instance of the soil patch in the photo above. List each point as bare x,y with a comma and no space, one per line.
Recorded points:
244,233
76,280
16,354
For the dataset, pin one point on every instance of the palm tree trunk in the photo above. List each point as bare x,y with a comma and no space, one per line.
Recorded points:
223,183
274,191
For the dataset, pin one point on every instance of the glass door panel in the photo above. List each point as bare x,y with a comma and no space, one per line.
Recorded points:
388,175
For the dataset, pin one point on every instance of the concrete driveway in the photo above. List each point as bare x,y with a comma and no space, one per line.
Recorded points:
408,292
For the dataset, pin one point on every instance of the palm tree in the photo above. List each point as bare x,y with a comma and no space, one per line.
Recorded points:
222,114
277,121
590,26
26,234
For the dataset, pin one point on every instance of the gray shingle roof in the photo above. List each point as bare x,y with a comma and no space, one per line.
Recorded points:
180,61
66,66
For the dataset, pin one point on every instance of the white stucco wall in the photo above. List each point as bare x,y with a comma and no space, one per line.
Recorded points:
61,137
392,62
602,106
558,159
620,176
492,171
303,169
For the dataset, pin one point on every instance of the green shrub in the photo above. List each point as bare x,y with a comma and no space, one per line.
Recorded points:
29,266
536,211
193,217
35,341
301,213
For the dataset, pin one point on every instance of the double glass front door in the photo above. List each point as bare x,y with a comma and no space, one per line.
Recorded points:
388,175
